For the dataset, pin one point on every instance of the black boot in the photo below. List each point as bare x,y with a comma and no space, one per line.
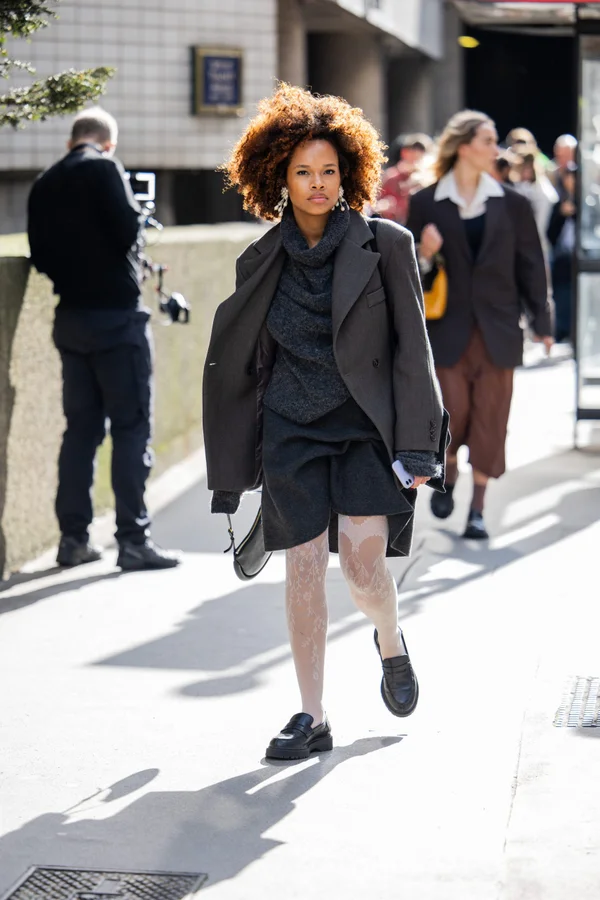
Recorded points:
299,739
135,557
476,529
442,505
73,552
399,685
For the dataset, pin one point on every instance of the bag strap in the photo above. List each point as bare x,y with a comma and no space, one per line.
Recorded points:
231,535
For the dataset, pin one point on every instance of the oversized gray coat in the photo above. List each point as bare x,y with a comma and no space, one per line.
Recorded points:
380,344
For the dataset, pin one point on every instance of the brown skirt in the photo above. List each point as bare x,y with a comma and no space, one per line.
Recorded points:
478,394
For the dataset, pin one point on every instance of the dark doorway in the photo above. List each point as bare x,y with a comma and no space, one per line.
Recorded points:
523,80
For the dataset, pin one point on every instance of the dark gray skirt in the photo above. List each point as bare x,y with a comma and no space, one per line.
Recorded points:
336,465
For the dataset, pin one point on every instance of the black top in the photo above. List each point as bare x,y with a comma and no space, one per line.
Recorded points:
84,224
474,229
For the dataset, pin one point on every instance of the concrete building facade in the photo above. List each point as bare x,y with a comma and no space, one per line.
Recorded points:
397,59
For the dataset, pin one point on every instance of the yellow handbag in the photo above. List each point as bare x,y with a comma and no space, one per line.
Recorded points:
436,298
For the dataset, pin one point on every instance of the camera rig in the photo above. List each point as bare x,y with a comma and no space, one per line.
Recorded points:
173,305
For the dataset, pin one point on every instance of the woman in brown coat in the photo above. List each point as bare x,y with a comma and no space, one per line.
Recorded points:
319,379
489,243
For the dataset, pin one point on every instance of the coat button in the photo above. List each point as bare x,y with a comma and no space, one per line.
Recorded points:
375,363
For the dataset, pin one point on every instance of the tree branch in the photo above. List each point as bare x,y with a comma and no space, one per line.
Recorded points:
60,95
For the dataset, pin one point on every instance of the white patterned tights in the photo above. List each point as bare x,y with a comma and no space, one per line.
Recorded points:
362,546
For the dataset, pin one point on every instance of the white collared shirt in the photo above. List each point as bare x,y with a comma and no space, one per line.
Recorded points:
447,189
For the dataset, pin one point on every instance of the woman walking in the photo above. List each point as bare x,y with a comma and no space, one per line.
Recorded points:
318,378
487,236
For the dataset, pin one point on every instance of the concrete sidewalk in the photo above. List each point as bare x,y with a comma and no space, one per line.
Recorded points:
136,708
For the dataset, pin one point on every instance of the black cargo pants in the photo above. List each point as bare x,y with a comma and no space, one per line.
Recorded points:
107,362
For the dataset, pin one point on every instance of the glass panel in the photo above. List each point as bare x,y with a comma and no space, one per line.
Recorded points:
589,242
588,341
589,11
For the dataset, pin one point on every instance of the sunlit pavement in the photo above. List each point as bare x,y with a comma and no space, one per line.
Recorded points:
135,709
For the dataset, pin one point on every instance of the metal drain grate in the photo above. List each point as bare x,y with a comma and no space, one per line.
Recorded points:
58,883
580,704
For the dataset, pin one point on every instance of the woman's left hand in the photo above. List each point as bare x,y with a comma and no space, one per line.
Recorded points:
419,480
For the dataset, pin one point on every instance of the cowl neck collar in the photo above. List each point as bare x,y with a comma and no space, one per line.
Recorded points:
295,243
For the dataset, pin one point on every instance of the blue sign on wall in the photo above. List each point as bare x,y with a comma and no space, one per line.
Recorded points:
217,81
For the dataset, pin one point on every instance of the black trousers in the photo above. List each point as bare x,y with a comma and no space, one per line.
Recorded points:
107,361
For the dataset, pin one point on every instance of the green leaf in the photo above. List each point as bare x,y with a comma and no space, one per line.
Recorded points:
57,95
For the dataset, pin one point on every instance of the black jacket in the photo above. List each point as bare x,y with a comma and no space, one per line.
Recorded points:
84,224
492,290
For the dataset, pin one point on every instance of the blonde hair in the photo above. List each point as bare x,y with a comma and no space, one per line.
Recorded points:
461,129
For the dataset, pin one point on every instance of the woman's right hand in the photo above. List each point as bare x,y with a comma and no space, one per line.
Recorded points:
431,242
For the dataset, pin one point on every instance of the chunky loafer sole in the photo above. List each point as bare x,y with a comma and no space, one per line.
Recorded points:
298,739
324,743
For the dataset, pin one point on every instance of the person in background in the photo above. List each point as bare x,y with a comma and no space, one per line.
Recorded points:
487,236
399,180
530,179
503,167
565,152
561,234
84,230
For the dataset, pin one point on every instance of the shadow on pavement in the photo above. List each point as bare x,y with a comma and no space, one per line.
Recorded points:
573,512
253,617
218,829
26,598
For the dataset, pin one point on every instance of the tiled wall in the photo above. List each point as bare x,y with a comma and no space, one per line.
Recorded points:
148,41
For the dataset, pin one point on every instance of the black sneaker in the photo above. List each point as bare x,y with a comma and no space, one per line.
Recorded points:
72,552
135,557
299,739
476,529
442,505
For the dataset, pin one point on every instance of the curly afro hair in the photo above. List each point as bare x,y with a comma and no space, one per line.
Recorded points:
257,166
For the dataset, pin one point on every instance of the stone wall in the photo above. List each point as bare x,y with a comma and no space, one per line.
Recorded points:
201,263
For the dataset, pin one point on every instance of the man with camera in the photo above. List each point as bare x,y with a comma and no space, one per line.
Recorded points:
85,230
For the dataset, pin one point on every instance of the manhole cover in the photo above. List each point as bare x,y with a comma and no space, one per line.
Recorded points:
580,704
58,883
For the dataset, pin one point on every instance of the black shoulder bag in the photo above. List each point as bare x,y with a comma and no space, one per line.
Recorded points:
249,557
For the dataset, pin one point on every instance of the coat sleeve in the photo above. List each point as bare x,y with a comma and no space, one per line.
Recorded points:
530,270
118,208
36,230
417,397
416,222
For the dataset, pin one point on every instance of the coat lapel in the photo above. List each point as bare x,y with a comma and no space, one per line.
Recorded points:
451,226
493,213
262,275
352,269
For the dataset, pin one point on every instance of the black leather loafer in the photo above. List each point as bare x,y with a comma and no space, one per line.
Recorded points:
442,505
299,739
476,529
399,685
